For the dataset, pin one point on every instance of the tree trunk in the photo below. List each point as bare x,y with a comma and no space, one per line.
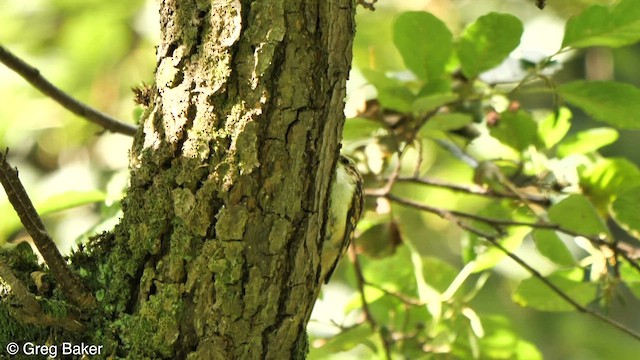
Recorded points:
217,254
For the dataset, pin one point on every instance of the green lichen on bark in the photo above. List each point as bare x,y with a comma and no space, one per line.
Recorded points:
155,328
23,262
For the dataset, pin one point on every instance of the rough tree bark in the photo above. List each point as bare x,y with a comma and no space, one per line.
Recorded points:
216,256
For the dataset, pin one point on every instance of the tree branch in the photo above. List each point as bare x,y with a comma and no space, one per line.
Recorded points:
360,280
561,293
407,300
454,216
33,76
622,249
70,283
474,190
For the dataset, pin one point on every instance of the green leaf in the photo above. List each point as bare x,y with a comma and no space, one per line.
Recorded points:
438,86
424,42
527,351
626,210
438,273
446,122
615,26
631,278
612,102
480,250
587,141
392,93
500,340
576,213
392,271
553,128
69,199
550,246
487,42
346,340
493,256
376,239
359,128
608,178
517,130
425,104
11,223
535,294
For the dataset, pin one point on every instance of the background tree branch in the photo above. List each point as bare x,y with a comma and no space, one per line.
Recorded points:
35,78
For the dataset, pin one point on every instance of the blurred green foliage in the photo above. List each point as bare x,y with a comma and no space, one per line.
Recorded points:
496,100
95,51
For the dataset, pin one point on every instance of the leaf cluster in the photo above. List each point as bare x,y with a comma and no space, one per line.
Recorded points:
466,179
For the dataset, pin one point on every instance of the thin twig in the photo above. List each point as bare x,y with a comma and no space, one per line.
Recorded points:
489,170
624,250
419,159
33,76
402,297
629,253
360,280
395,173
618,248
454,216
473,190
70,283
445,214
561,293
